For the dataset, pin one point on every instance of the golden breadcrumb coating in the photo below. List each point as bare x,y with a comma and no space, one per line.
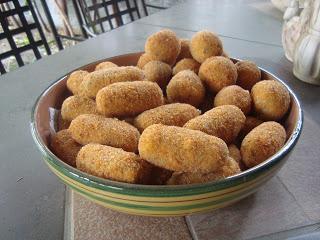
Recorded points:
205,44
230,168
164,46
224,54
175,114
97,80
89,128
75,79
234,95
144,59
224,122
76,105
180,149
249,124
186,64
129,98
113,163
64,147
262,142
234,153
158,72
248,74
105,65
271,99
186,87
185,49
217,73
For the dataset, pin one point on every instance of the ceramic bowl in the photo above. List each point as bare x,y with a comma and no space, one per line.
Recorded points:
157,200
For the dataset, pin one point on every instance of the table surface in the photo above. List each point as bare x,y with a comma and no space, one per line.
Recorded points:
32,198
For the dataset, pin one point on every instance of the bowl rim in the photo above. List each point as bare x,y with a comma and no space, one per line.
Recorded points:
160,190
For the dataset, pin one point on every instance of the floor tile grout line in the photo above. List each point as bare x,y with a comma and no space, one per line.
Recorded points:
190,30
292,195
191,228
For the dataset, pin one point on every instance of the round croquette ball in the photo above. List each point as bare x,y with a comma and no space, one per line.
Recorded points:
234,95
205,44
262,142
158,72
186,64
75,79
271,99
105,65
164,46
185,49
217,73
224,122
144,59
248,74
186,87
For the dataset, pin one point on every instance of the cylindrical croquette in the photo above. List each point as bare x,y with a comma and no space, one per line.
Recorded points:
129,98
180,149
262,142
76,105
186,87
75,79
175,114
97,80
113,163
144,59
158,72
230,168
217,73
248,74
64,147
205,44
224,122
105,65
89,128
164,46
186,64
271,100
185,49
234,95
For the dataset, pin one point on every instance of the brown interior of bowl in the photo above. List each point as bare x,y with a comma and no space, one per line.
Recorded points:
54,96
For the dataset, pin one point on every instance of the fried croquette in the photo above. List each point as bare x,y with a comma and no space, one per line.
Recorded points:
186,87
262,142
248,74
97,80
181,149
234,95
164,46
158,72
64,147
186,64
205,44
76,105
271,99
89,128
175,114
217,73
249,124
113,163
129,98
144,59
224,122
185,49
230,168
105,65
234,153
75,79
